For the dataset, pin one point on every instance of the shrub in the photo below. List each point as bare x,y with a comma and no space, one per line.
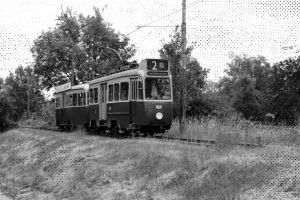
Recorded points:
5,112
45,117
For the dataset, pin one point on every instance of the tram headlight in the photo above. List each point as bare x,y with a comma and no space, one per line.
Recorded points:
159,115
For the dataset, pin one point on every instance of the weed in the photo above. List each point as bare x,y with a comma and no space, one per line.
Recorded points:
73,167
232,131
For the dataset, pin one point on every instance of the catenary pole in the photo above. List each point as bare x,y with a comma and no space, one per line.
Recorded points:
28,96
182,118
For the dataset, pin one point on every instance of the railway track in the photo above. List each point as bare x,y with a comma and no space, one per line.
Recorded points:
203,142
164,138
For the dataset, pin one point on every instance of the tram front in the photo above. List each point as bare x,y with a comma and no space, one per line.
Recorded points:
158,96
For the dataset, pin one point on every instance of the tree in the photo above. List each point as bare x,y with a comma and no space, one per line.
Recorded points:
246,84
5,111
221,105
247,99
285,90
195,73
1,85
78,45
18,87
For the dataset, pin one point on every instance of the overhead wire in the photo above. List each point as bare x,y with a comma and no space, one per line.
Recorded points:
176,11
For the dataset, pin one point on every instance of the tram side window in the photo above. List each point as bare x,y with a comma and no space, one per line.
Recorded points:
80,98
63,101
57,101
116,91
83,99
136,89
103,95
124,91
91,96
66,101
74,99
140,90
70,97
95,95
133,90
110,92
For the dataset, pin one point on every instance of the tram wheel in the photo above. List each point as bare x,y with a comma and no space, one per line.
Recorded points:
133,133
102,131
70,127
115,130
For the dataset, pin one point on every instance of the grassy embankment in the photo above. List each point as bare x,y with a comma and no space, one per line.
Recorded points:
51,165
238,131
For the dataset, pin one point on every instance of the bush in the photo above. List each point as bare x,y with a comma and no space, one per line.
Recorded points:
6,124
45,117
5,111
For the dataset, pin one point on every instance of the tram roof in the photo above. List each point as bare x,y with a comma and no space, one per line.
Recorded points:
126,73
139,71
67,87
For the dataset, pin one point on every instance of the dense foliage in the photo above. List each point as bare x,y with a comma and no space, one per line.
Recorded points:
195,74
285,90
256,90
86,46
20,95
246,84
5,109
22,87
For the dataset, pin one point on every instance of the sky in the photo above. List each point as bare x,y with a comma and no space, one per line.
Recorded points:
218,29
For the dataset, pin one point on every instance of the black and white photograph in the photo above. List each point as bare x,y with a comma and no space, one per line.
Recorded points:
149,100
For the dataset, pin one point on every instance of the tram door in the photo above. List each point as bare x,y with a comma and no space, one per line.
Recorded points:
62,112
136,94
102,103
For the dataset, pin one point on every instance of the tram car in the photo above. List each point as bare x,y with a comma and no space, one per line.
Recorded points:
138,99
71,105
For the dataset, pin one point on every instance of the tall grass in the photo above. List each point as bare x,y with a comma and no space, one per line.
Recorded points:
237,131
45,117
74,165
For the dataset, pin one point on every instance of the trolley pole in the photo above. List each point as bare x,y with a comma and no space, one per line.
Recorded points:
182,118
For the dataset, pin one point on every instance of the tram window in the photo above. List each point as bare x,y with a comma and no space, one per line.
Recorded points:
110,92
124,91
136,89
75,99
91,96
116,91
80,96
158,88
140,90
63,100
83,99
95,95
133,89
57,101
103,95
66,101
70,100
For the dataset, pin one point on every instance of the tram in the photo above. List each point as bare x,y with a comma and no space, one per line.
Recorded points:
137,99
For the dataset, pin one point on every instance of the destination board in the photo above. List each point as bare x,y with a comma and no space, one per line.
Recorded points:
157,65
63,87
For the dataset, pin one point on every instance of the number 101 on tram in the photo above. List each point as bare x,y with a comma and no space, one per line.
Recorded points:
137,99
